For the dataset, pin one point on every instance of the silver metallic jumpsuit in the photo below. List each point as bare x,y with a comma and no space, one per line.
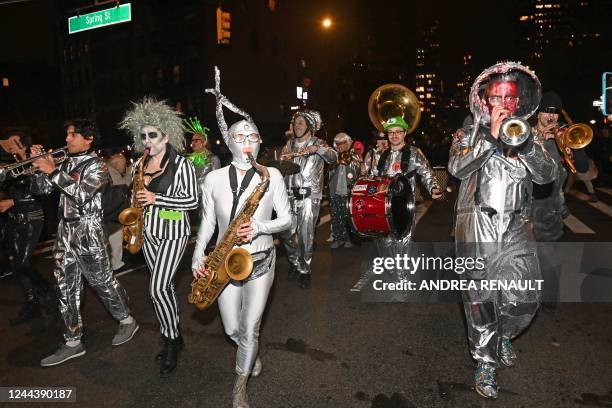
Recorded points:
82,248
341,180
305,192
390,246
492,222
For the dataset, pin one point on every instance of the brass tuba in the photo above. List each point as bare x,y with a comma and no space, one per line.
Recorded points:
132,218
226,262
576,136
391,100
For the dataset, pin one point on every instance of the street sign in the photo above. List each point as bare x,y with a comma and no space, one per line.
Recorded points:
102,18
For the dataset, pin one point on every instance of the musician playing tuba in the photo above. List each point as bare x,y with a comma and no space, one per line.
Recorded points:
492,215
169,192
225,190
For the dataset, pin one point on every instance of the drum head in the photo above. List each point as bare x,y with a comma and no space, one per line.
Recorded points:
402,205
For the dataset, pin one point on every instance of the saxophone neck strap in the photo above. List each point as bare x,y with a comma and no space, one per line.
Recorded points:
234,185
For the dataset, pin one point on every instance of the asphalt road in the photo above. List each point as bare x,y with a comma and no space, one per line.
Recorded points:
323,347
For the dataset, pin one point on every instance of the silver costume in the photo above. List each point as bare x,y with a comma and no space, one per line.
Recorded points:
82,248
242,304
492,222
390,246
306,190
341,180
370,161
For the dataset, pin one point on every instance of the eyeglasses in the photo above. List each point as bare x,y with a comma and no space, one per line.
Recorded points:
239,138
396,132
498,100
150,135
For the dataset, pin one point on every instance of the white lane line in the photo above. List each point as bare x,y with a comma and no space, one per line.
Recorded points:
420,211
577,226
603,207
129,270
604,190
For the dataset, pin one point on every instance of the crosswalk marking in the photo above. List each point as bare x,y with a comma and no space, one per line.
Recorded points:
324,219
577,226
603,207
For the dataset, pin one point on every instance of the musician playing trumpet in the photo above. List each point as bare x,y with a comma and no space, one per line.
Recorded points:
492,215
242,303
81,248
341,180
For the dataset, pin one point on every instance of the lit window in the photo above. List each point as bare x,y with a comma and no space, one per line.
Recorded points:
5,82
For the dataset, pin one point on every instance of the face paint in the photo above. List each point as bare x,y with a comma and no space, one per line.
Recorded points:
244,138
502,94
153,139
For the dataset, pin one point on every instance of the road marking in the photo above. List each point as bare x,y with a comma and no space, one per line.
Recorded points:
129,270
324,219
605,190
421,209
603,207
577,226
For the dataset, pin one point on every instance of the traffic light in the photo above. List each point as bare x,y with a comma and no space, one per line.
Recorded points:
224,20
606,85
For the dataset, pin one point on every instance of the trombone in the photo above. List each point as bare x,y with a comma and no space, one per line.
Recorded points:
576,136
25,167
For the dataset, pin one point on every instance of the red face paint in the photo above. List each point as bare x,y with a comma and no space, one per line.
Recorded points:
503,94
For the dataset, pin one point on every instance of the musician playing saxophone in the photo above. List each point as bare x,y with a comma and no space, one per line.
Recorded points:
225,190
170,192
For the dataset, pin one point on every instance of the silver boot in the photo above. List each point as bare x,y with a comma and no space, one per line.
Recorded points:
239,394
257,367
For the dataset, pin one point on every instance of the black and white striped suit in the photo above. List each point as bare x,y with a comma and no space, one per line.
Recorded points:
166,239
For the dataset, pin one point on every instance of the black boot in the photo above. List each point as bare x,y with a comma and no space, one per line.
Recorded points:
168,362
293,272
164,349
29,311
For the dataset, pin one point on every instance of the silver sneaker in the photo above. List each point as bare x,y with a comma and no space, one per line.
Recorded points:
125,333
484,381
64,353
239,395
257,367
507,354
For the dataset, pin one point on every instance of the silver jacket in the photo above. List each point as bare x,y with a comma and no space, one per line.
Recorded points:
504,183
418,163
370,161
342,177
311,166
81,189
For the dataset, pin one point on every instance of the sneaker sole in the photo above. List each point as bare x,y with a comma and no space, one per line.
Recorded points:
64,360
485,395
128,339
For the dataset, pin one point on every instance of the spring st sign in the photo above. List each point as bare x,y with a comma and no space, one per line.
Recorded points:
102,18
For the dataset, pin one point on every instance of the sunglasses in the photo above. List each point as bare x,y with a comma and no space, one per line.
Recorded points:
150,135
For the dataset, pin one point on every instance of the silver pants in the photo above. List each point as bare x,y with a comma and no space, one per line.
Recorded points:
82,249
242,306
299,244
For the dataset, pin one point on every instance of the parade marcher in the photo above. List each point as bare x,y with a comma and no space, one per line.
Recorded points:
202,158
492,215
548,207
370,161
405,159
170,192
341,179
120,176
81,248
586,171
23,227
225,190
306,187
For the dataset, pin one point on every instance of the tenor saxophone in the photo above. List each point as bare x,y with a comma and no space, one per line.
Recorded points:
132,218
226,262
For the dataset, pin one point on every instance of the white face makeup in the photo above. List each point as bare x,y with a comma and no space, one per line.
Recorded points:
153,139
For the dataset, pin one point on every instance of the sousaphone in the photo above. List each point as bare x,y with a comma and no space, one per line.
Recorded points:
392,100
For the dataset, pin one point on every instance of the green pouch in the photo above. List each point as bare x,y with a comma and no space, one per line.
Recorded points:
171,215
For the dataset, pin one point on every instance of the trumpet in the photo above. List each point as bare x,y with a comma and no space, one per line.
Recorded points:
514,131
576,136
25,167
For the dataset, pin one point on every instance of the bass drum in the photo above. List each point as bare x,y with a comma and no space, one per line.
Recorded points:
381,206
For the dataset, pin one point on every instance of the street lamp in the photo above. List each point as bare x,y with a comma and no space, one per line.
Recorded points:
326,23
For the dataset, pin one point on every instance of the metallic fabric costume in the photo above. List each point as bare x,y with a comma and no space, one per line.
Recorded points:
390,246
81,248
492,222
370,161
305,190
341,179
242,304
